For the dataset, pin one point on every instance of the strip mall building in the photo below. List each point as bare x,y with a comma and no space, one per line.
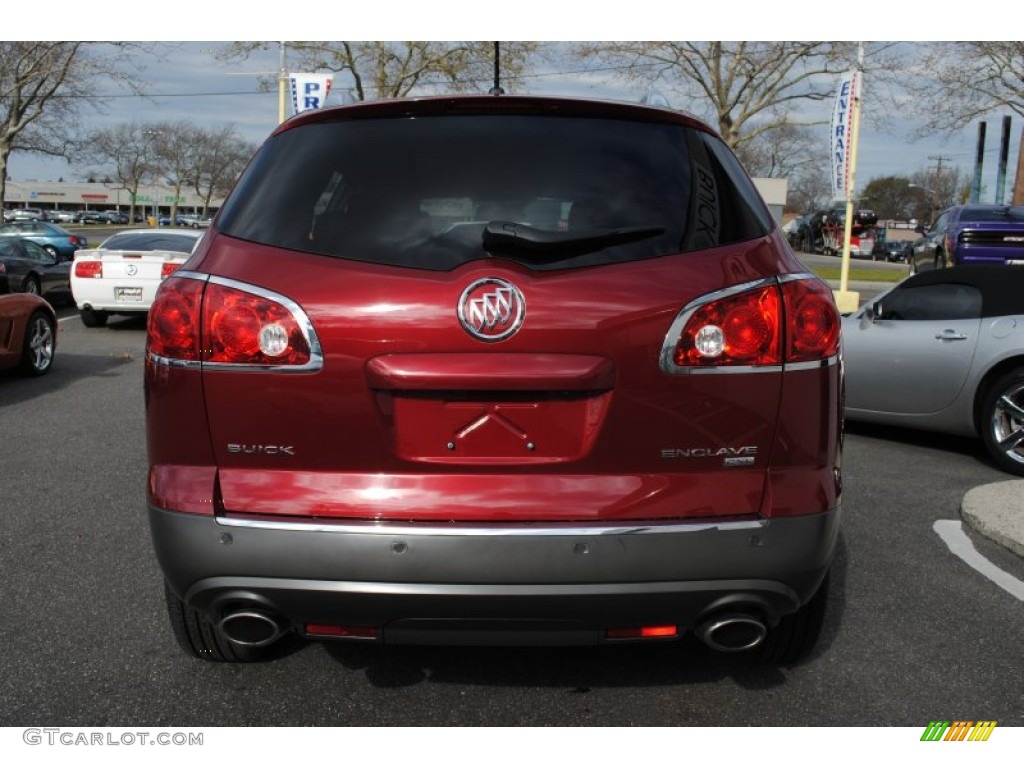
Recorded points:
85,196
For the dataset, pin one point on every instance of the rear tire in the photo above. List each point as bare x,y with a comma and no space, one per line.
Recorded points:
791,640
1002,422
38,346
93,319
200,638
31,285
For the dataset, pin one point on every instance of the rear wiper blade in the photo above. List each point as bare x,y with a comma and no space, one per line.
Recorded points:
544,243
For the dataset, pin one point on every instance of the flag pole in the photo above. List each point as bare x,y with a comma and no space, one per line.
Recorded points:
847,300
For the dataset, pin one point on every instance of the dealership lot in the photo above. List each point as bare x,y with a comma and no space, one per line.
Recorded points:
912,634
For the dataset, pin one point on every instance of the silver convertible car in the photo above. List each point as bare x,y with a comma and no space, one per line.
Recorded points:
944,351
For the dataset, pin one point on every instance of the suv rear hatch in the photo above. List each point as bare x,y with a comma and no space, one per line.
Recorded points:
485,308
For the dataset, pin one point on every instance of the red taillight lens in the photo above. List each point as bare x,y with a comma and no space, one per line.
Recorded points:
812,321
167,268
241,327
213,323
173,323
736,330
88,268
72,239
794,321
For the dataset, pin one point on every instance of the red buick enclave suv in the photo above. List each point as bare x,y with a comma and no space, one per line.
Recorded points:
494,370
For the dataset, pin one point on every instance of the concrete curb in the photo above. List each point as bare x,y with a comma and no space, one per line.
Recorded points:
996,511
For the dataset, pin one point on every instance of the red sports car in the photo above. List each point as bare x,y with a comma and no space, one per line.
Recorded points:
494,370
28,333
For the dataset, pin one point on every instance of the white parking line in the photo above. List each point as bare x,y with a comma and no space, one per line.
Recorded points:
951,532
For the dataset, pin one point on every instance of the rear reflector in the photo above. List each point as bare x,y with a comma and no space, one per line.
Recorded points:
336,630
639,633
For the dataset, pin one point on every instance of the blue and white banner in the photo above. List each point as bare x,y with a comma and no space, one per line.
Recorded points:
842,134
309,90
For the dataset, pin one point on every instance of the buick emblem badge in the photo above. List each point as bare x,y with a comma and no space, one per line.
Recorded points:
491,309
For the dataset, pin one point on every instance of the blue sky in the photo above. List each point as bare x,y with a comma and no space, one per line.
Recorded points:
190,82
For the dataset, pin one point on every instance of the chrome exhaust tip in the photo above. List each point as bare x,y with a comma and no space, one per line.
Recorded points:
252,629
732,633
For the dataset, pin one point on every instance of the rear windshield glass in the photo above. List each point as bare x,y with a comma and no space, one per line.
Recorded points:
992,214
551,192
146,241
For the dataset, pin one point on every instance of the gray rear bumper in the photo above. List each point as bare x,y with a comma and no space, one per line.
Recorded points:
520,585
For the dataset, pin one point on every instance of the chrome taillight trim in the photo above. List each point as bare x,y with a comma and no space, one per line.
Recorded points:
668,347
524,529
316,357
667,357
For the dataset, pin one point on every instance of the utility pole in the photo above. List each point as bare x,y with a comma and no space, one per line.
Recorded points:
938,185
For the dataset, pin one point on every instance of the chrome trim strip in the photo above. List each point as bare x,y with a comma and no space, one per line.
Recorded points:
172,362
525,529
812,365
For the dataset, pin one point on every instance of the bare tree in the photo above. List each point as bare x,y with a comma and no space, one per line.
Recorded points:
810,190
938,189
43,85
973,79
785,151
128,150
383,70
174,148
745,89
218,158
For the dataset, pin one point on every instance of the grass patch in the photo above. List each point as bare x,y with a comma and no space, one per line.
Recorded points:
861,273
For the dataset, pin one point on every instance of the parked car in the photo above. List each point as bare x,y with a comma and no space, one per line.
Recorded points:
28,334
193,220
549,375
25,214
115,217
25,267
122,275
944,351
976,233
92,217
55,240
63,217
890,250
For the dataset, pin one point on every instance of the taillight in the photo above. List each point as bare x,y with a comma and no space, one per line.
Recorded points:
173,323
222,323
812,321
88,268
766,323
167,268
72,239
736,330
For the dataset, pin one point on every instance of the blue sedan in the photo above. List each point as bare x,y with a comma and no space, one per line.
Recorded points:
55,240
